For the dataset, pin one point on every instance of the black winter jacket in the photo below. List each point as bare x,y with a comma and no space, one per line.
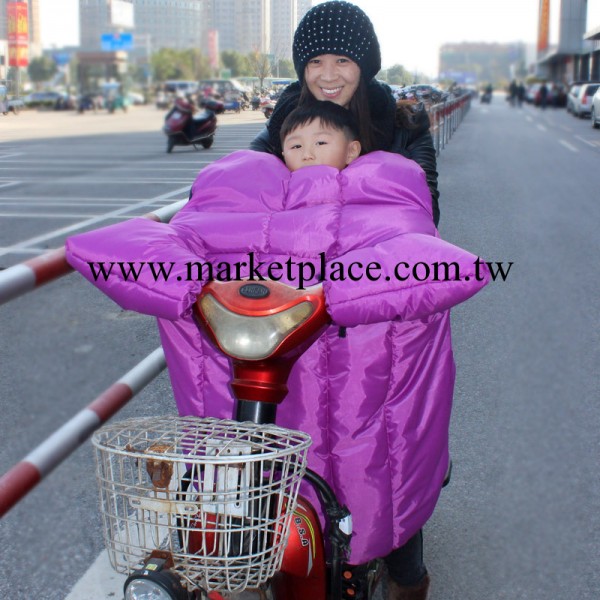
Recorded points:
413,141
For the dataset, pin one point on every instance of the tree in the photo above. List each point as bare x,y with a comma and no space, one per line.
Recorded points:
236,62
189,64
260,65
41,69
398,75
285,68
166,64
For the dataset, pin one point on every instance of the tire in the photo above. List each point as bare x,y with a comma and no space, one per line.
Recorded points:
207,142
595,123
170,144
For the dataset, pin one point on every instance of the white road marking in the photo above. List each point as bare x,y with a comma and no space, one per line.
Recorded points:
9,183
92,221
57,215
2,157
569,146
530,119
594,144
100,582
541,127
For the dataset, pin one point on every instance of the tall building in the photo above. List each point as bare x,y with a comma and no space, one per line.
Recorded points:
284,15
33,12
252,23
264,25
565,45
158,23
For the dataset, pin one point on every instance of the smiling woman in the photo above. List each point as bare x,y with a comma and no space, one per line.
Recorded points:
59,23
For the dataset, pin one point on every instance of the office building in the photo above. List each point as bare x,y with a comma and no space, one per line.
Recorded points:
157,23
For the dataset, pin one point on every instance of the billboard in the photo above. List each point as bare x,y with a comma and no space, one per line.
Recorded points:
213,48
544,26
18,34
121,14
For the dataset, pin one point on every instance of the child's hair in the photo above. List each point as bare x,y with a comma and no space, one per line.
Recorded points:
330,114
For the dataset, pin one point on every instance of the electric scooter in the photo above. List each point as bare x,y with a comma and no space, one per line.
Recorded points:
198,508
186,127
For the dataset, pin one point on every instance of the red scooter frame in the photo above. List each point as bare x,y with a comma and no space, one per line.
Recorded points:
259,385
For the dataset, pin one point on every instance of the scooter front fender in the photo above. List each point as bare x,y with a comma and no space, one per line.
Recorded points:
303,572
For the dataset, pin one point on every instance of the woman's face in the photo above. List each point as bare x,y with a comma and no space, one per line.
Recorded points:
332,77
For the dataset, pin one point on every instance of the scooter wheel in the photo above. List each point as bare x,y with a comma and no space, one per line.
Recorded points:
207,142
170,144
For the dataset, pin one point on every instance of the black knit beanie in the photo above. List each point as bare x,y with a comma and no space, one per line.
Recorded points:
341,28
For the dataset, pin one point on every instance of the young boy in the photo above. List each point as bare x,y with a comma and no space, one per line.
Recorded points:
319,133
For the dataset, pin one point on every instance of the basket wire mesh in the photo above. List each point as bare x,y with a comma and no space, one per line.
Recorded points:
217,495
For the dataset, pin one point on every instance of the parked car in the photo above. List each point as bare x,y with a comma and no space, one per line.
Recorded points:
572,96
532,92
582,101
15,105
136,98
40,99
595,114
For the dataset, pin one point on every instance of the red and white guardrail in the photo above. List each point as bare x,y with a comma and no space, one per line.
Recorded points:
26,276
25,475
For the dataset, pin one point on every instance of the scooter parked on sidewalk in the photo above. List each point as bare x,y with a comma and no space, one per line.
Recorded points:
199,508
184,126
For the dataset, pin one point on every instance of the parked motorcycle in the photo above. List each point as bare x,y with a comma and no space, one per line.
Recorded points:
267,106
186,127
197,508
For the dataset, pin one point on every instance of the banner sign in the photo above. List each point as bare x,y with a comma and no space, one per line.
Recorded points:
544,26
213,48
18,34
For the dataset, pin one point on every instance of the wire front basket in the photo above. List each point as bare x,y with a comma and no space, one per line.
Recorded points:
216,495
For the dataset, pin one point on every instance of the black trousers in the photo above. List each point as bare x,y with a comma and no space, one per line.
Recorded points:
405,565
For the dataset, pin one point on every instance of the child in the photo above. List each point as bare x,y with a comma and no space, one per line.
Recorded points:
319,133
375,390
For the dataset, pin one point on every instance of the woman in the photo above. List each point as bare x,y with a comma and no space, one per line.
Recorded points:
336,57
375,390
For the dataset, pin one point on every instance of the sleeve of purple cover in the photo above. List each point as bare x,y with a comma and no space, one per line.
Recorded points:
412,276
142,265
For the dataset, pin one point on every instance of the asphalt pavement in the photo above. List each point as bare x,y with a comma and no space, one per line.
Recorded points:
519,520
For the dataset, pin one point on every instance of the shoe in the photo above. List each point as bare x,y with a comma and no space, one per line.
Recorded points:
359,581
420,591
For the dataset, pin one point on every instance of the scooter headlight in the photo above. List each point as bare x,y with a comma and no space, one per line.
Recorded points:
154,583
252,338
146,589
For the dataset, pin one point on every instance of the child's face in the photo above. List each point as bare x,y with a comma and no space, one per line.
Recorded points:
313,144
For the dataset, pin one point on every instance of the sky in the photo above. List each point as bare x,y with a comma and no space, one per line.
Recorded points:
410,31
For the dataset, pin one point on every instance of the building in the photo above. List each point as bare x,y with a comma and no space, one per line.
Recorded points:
590,62
264,25
157,24
471,63
568,47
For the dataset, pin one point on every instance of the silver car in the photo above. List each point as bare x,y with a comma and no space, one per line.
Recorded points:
595,114
582,100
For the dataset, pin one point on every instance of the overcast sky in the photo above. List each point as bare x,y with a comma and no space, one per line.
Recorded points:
410,31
